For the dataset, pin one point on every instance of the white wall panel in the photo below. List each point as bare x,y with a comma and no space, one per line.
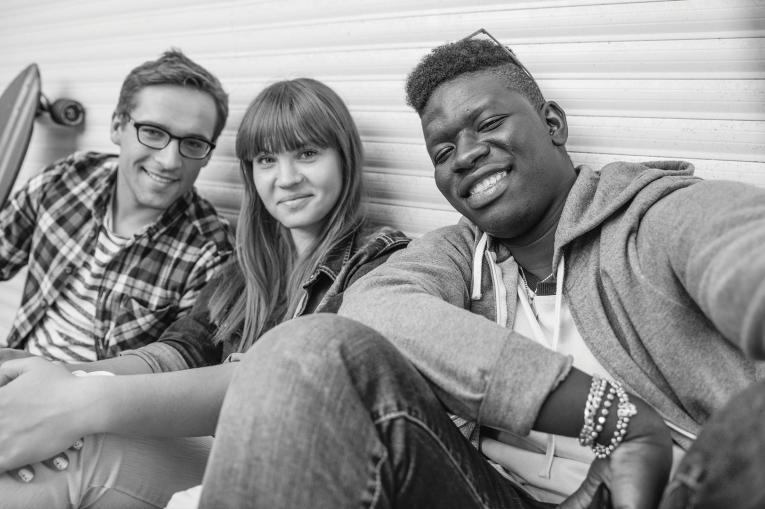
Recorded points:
638,79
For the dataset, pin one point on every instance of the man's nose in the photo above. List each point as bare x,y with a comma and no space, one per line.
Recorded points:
170,156
469,149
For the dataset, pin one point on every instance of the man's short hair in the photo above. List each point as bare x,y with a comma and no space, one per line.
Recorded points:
449,61
173,68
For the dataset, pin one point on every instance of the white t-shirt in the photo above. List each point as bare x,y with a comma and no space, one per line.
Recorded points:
550,479
66,333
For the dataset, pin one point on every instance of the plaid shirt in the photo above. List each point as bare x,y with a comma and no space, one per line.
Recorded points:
52,225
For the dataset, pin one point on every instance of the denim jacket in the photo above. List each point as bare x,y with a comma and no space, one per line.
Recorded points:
187,342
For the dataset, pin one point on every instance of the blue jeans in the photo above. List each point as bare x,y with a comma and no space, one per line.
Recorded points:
324,412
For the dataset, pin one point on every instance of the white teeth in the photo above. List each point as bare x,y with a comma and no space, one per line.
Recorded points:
158,178
486,183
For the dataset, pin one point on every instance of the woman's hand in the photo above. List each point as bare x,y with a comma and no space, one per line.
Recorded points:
58,463
42,411
635,473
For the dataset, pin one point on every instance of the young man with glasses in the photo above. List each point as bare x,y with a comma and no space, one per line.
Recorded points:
572,319
119,246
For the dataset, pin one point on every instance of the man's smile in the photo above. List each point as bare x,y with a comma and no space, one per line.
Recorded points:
486,183
157,177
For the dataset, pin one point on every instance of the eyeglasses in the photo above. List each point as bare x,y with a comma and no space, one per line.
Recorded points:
157,138
482,32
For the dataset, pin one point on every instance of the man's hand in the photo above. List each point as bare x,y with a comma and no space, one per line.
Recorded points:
724,466
635,473
8,354
41,411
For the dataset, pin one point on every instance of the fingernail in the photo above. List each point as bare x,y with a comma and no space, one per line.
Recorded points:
60,462
25,474
77,445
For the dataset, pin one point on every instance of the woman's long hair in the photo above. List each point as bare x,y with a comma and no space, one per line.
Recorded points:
265,287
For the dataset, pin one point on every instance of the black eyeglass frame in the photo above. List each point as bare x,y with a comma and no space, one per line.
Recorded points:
170,137
513,58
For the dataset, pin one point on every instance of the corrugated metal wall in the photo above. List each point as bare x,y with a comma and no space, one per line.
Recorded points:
638,79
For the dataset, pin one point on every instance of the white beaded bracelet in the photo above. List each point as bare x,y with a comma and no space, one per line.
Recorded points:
624,412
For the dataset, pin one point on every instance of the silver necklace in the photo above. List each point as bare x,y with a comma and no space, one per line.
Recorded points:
533,294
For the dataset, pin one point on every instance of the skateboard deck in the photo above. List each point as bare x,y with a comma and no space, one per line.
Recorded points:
21,102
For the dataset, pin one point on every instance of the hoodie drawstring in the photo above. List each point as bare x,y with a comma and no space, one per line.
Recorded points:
500,300
542,338
480,249
500,292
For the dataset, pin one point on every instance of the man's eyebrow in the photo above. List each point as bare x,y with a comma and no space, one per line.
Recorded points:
166,128
448,132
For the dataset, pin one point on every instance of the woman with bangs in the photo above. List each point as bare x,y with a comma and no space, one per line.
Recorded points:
302,239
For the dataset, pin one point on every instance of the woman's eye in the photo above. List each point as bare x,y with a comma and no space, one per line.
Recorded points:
308,153
264,160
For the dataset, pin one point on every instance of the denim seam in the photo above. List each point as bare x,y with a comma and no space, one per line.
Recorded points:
424,426
378,484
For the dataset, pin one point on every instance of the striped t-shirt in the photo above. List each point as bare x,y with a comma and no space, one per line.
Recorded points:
67,332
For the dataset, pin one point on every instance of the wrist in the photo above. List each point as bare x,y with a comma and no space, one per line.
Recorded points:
97,411
647,422
613,416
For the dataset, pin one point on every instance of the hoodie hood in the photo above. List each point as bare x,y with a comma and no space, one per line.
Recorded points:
595,197
598,195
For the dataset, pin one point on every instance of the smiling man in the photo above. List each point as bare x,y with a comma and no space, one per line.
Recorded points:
118,247
580,326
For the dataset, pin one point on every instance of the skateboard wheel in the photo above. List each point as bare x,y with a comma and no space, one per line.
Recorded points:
67,112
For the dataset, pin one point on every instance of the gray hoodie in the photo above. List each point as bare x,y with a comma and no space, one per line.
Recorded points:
664,276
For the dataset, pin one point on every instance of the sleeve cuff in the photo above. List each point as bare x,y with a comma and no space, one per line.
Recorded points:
515,394
160,357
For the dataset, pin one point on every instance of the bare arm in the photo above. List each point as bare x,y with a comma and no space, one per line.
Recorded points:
127,365
43,408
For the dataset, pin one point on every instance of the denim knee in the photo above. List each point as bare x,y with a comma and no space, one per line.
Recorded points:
316,331
313,336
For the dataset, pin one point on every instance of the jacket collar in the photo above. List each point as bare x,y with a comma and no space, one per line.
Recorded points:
335,259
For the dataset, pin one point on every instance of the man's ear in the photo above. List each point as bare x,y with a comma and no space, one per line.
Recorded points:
115,129
555,118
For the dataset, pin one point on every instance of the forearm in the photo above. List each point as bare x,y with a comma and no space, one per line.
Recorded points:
562,413
125,365
182,403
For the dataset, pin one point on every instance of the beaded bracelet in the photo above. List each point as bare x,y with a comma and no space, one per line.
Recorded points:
624,412
590,429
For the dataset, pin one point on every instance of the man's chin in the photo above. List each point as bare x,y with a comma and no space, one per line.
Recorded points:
158,203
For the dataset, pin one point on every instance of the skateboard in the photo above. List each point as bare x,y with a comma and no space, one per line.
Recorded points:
22,102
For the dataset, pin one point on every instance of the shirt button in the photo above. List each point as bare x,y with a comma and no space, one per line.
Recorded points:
68,269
